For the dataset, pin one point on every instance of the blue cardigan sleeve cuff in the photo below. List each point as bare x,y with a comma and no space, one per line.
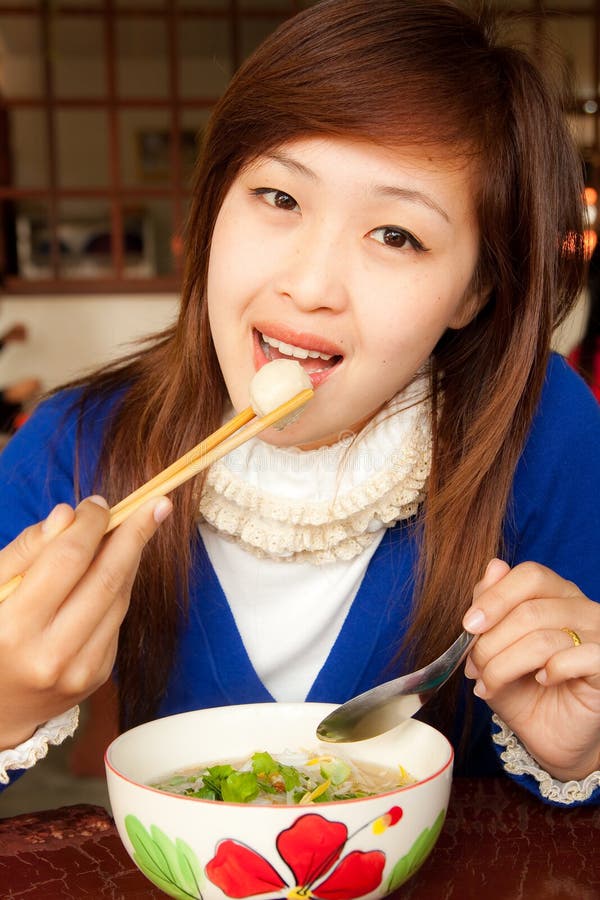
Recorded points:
524,769
12,777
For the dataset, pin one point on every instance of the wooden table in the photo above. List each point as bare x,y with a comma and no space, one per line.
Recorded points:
497,842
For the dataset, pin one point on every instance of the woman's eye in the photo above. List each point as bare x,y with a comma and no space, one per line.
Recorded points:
277,198
397,238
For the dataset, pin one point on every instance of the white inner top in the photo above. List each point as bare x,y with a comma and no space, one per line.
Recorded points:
289,614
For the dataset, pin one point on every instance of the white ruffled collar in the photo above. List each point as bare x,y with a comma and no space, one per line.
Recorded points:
329,503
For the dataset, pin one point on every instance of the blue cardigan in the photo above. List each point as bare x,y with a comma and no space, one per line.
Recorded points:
554,519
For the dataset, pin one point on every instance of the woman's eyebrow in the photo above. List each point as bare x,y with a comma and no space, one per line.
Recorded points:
293,165
412,196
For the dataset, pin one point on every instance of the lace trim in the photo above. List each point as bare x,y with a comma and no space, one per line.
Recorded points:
36,747
517,761
338,527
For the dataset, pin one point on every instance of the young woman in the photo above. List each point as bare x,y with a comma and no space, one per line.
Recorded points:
413,242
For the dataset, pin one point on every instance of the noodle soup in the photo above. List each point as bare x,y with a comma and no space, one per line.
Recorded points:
289,778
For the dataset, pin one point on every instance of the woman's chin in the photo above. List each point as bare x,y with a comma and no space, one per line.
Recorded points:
299,434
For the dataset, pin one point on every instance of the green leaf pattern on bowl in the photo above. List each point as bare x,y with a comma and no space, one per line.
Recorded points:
407,865
170,865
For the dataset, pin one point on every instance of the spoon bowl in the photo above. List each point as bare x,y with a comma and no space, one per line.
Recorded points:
389,704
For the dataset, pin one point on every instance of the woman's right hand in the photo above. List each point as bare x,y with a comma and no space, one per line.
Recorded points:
59,628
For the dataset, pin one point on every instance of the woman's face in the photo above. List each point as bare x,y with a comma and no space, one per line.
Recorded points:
348,256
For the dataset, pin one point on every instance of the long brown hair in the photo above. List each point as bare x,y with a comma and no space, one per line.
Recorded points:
399,72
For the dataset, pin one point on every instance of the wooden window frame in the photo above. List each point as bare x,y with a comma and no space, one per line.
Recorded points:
108,14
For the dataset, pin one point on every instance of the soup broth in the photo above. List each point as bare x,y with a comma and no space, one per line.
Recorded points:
289,778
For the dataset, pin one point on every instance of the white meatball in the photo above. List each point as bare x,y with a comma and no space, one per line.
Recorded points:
274,384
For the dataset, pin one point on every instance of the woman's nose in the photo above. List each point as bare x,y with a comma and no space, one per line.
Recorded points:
314,274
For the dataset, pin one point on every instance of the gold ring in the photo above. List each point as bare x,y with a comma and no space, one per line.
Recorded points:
573,635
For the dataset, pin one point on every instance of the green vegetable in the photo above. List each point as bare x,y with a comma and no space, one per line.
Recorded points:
335,770
240,787
264,764
264,779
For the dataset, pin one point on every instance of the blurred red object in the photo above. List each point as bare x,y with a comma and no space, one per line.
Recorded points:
20,419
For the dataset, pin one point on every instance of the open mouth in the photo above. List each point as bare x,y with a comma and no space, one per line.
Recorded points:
317,364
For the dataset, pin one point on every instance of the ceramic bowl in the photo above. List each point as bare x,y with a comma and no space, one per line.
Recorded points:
213,850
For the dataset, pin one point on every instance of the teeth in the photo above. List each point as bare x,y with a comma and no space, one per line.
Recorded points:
291,350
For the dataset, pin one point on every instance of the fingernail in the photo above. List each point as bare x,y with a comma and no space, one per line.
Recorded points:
490,565
98,500
162,510
52,522
541,676
471,670
496,567
480,689
474,621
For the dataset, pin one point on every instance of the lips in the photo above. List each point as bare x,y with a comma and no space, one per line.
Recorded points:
317,356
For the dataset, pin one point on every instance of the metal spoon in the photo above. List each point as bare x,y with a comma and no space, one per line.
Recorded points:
389,704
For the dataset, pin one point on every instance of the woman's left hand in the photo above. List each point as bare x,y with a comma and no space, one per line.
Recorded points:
529,669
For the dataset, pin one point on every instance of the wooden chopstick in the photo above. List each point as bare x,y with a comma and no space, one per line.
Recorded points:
204,446
237,431
200,457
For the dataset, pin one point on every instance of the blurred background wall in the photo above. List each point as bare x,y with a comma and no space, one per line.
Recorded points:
68,335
